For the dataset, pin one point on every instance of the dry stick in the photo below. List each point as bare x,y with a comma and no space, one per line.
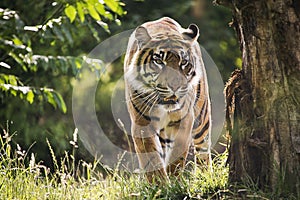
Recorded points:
127,138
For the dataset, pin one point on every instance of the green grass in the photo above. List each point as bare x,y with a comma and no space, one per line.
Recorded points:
82,180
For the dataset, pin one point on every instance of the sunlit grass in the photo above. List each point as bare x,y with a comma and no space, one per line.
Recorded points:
82,180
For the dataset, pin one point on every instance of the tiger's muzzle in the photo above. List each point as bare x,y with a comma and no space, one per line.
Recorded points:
173,99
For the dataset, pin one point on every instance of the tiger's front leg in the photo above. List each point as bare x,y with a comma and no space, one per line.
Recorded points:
176,157
149,152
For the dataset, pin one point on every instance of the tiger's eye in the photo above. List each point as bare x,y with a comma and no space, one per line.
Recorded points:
184,62
158,61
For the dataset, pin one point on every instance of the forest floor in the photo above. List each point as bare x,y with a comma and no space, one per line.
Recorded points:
21,177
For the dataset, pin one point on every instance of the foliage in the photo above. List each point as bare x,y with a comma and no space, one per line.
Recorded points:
41,52
18,42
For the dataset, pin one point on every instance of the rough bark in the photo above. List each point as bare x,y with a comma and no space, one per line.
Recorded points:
263,99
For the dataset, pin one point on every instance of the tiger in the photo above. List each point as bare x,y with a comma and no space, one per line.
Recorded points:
167,97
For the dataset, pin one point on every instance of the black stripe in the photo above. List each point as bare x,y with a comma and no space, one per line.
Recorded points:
205,109
155,118
147,74
139,112
144,95
149,118
138,63
162,54
162,155
175,123
197,119
167,140
198,93
140,95
145,63
205,127
140,58
169,54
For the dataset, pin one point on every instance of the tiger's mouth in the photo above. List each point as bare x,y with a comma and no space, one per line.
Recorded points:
173,99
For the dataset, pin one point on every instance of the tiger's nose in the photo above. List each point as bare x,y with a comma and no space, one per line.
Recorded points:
173,78
174,86
175,83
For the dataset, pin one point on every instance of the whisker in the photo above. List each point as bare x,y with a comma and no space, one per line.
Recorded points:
155,101
132,97
145,100
162,89
146,104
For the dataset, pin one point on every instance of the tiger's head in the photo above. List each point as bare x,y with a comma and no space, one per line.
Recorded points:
165,63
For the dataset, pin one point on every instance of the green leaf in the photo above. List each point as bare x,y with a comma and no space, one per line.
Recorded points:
12,80
94,32
75,69
52,64
58,33
104,25
50,98
18,60
114,6
47,34
67,33
108,15
17,41
71,12
13,92
100,8
93,12
80,11
30,96
63,64
78,63
60,102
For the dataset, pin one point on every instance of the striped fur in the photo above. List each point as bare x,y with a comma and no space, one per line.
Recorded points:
167,96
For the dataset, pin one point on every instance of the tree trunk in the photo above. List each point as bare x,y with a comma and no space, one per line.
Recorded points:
263,99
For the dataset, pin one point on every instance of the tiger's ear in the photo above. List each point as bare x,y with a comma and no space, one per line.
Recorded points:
192,33
142,36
